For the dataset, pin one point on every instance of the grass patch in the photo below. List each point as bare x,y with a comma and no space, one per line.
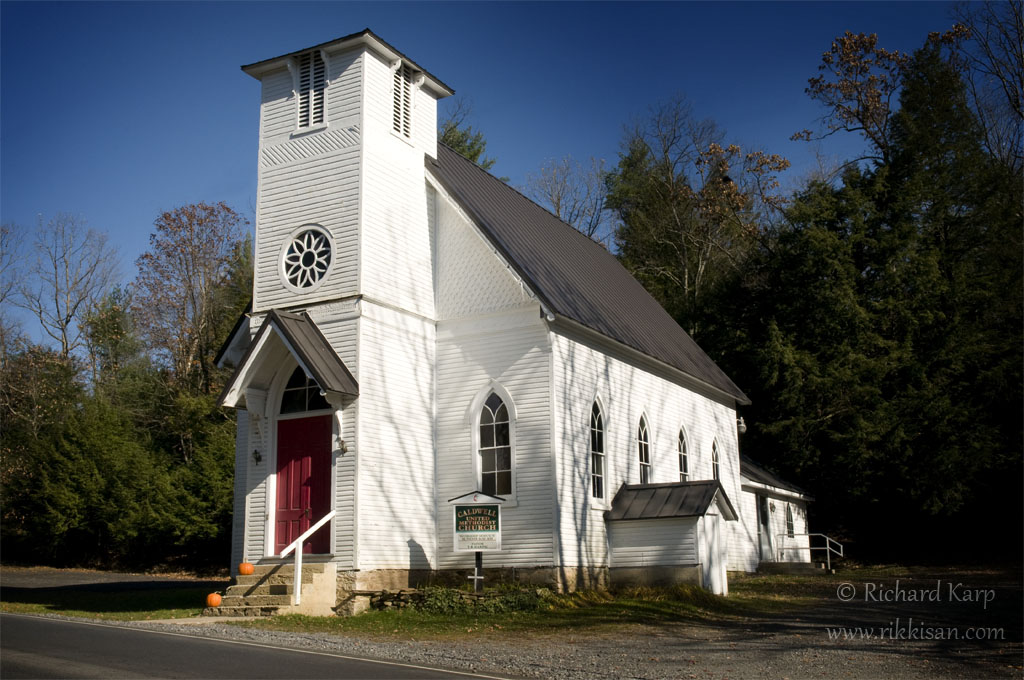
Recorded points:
594,612
120,605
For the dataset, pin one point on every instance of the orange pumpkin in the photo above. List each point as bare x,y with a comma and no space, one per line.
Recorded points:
246,569
213,600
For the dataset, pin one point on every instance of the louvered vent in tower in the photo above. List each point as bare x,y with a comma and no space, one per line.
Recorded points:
312,83
402,118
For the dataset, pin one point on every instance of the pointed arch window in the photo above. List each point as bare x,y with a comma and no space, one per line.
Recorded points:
596,452
715,473
684,457
789,520
302,394
495,447
643,445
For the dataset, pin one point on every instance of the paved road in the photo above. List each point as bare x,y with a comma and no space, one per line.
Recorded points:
38,647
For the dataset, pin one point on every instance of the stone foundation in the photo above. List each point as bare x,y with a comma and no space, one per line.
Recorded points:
656,576
355,588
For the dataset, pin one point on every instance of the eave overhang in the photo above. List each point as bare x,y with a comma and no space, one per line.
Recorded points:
367,38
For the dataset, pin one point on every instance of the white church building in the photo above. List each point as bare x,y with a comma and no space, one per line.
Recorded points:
420,330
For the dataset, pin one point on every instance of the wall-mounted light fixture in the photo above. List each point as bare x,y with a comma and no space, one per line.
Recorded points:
257,456
741,426
342,446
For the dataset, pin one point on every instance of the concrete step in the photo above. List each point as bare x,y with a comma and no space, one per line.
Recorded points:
268,591
242,590
239,611
791,568
272,579
257,601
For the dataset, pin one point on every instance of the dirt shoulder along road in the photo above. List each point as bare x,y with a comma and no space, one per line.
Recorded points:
948,624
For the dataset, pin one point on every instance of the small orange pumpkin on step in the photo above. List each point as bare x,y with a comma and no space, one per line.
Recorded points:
246,569
213,600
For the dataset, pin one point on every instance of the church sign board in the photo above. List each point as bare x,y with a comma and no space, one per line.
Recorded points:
477,522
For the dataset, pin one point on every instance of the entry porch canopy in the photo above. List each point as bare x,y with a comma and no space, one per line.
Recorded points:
283,333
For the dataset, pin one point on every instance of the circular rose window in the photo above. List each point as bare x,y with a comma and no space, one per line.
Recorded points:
306,258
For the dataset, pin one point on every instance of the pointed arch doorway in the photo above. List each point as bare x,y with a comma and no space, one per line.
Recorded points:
304,433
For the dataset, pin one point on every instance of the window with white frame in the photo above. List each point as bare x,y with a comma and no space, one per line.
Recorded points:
495,447
302,394
402,107
643,445
311,89
306,258
789,520
684,457
714,460
596,452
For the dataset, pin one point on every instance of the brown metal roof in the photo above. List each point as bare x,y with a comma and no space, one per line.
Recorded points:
573,276
675,499
756,473
310,348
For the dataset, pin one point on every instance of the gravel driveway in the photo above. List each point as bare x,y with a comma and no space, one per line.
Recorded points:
911,621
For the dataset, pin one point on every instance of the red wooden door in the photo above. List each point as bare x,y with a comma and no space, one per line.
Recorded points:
303,473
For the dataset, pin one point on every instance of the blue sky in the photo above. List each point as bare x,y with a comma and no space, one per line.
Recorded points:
117,111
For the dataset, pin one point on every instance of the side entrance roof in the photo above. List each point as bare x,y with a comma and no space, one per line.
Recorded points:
753,475
674,499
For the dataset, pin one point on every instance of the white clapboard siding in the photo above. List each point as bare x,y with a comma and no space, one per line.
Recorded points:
424,122
778,524
396,251
238,498
396,448
309,177
471,279
256,485
653,542
626,388
744,550
339,324
509,349
278,113
396,264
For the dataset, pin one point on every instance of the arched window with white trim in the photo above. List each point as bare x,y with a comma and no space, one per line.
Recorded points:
596,452
714,460
495,447
302,394
684,457
643,446
789,520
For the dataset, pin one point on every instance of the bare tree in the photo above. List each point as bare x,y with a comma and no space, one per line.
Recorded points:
10,237
858,84
574,193
190,257
992,54
688,208
455,131
73,266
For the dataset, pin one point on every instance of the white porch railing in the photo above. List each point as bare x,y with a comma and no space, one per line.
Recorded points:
831,547
296,546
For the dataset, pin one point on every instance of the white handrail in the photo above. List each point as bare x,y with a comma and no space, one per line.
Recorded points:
296,545
827,547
